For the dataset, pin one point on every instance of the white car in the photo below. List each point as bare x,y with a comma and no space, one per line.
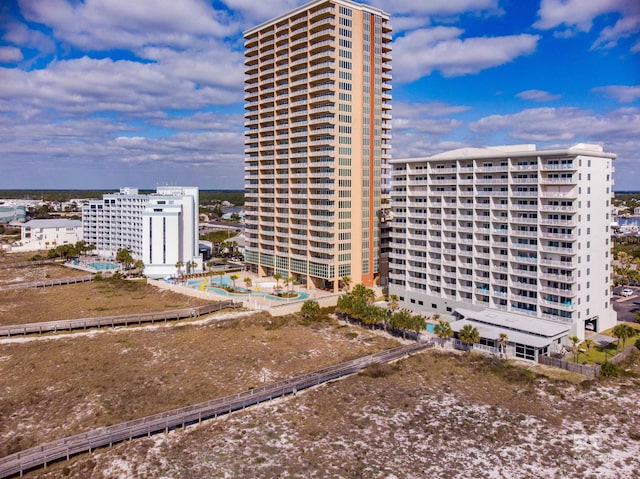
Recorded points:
626,292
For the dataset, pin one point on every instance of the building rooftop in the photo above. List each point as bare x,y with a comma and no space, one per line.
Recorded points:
510,151
491,332
54,223
514,322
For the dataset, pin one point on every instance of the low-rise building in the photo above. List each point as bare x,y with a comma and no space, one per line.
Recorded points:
48,233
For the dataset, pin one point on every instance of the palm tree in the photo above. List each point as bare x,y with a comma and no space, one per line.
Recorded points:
233,278
191,265
443,331
401,320
574,346
503,340
291,281
347,281
179,265
588,343
623,332
469,335
393,302
310,310
247,282
277,277
362,292
418,323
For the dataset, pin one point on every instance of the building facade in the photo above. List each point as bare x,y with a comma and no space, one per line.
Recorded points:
161,229
9,213
317,142
48,233
511,229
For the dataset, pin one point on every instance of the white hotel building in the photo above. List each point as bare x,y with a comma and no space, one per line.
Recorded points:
161,229
509,229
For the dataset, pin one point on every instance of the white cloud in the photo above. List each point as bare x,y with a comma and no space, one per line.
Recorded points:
435,7
563,124
420,52
432,109
19,34
10,54
99,153
624,94
537,95
258,11
574,13
85,86
616,130
624,27
106,24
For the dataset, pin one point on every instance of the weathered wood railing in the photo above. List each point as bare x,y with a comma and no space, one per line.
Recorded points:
46,283
42,455
124,320
27,264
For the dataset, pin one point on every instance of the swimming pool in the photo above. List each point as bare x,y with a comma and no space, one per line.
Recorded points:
211,283
431,328
103,265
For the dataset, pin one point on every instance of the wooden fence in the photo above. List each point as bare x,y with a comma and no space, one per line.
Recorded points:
26,264
64,448
47,283
592,371
111,321
622,355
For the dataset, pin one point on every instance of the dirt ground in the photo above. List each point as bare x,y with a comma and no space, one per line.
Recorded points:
86,300
434,415
57,386
37,273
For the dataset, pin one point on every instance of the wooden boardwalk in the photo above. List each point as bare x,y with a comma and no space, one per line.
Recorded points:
46,283
27,264
35,457
111,321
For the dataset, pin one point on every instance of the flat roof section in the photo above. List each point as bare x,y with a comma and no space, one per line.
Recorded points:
491,332
510,151
313,3
53,223
515,323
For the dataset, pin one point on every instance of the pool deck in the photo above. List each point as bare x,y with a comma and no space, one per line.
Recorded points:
257,302
85,265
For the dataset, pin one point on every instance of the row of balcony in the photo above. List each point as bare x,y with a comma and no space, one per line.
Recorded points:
433,168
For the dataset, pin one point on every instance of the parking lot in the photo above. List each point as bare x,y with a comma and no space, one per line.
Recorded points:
626,306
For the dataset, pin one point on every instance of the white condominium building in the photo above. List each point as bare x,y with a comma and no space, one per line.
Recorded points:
318,124
161,229
509,229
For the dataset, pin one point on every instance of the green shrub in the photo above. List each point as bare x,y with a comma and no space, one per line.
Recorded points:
609,370
638,343
380,370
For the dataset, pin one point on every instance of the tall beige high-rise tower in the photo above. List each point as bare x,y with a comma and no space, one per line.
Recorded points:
318,121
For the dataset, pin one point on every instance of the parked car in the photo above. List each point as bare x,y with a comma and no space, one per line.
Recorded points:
627,292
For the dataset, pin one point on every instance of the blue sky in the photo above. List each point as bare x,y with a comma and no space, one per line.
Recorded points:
110,93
